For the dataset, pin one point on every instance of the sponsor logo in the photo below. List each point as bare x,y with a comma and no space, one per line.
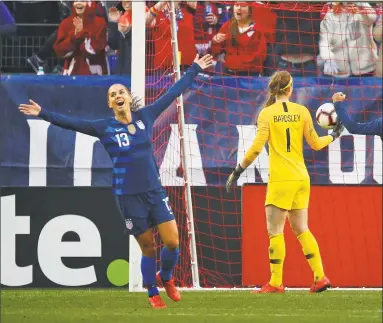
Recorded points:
51,249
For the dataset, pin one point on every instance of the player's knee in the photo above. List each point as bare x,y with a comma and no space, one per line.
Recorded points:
149,251
299,229
172,244
148,248
273,229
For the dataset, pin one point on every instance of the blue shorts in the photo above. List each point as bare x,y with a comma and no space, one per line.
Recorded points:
145,210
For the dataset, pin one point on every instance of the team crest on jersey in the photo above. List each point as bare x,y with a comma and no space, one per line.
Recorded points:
140,124
129,224
132,129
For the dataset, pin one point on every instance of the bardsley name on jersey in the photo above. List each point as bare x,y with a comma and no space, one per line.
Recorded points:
287,118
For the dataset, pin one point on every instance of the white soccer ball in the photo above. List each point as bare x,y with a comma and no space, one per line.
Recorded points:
326,116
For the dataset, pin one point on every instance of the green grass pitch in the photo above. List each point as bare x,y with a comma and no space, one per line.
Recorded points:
117,306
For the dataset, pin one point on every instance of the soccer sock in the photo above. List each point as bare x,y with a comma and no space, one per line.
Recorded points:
169,259
277,253
148,269
311,251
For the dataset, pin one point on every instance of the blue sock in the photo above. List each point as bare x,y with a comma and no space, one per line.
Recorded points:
148,269
169,259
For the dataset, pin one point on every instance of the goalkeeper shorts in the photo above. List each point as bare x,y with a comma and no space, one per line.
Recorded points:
288,195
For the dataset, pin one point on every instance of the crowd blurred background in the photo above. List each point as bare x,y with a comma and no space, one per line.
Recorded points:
246,38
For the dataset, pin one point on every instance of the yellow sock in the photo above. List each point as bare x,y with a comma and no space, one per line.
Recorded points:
277,253
311,251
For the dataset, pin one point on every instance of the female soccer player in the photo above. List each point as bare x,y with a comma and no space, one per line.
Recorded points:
127,137
283,124
374,127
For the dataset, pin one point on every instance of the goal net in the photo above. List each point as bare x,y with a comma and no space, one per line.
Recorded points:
327,49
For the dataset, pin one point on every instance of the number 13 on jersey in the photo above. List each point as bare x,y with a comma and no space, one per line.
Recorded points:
122,139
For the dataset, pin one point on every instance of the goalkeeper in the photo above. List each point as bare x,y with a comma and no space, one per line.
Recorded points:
374,127
283,124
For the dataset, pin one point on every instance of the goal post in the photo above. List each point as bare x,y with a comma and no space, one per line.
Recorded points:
185,156
138,88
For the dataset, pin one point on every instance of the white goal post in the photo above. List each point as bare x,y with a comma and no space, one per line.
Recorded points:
138,88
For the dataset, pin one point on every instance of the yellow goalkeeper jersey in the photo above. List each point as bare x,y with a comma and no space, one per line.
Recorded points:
283,126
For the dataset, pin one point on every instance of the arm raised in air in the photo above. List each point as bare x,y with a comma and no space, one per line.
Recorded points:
91,128
153,110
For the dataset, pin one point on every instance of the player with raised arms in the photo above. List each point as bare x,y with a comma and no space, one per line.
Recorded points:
283,124
374,127
127,137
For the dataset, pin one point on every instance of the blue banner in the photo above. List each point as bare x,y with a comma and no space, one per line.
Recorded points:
220,117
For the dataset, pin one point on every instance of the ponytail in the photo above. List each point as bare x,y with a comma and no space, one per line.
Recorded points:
279,83
270,100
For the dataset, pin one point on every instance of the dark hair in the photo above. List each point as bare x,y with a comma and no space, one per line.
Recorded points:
278,86
233,27
136,103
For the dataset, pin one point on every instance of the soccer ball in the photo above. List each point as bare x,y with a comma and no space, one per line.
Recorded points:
326,116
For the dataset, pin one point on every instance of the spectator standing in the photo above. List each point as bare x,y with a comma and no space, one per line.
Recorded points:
120,35
158,19
37,60
346,42
81,41
296,40
243,42
208,18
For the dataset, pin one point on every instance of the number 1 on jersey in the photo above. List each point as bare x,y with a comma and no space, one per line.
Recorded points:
288,140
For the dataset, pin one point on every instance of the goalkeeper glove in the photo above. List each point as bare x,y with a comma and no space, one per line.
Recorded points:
336,132
234,177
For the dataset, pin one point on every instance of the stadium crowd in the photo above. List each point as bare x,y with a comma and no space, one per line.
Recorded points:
246,38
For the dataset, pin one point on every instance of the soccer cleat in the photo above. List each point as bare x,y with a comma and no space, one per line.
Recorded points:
267,288
157,302
170,288
320,285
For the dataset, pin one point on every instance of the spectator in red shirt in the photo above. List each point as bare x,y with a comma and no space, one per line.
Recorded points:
243,42
208,18
161,33
81,41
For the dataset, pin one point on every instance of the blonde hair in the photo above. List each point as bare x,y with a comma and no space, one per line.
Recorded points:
279,84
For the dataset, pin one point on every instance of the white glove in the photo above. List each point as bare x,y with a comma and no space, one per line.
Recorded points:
330,67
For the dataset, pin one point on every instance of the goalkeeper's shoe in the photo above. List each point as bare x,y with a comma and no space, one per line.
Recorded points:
170,288
320,285
157,302
269,289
